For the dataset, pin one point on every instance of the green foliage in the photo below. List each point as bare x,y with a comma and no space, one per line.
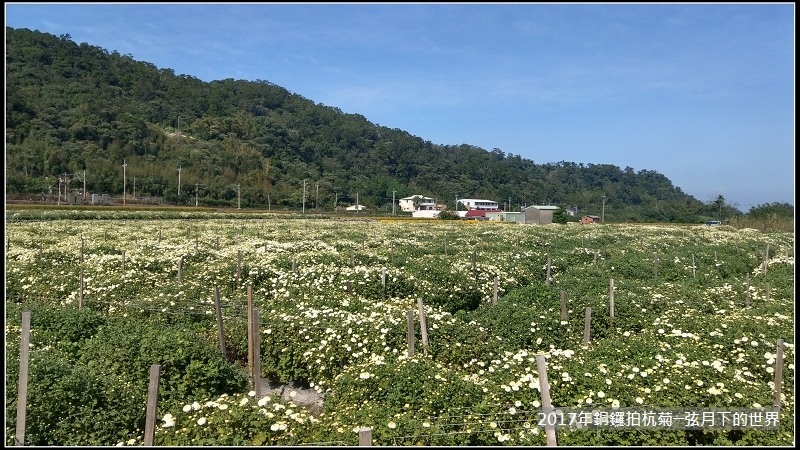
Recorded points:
449,215
190,365
783,210
402,408
71,404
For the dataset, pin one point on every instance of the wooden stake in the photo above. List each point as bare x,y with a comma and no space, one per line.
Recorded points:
547,406
365,437
547,279
180,270
123,260
257,353
152,405
410,319
776,401
694,275
474,265
563,306
586,324
655,266
220,331
250,331
422,325
611,299
747,289
238,267
22,389
80,289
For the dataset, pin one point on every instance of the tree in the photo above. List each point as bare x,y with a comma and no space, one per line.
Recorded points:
719,202
778,209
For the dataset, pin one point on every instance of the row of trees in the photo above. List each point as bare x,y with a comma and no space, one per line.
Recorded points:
77,107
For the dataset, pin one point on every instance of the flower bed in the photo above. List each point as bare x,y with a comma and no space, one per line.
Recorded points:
333,298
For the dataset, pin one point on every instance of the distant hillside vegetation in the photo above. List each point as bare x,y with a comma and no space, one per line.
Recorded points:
74,107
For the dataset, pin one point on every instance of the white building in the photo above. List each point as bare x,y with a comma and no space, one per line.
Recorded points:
475,203
425,214
423,203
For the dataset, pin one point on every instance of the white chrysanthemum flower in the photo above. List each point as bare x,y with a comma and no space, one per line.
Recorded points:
169,420
201,421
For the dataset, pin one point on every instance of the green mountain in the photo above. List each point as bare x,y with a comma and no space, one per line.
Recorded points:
73,107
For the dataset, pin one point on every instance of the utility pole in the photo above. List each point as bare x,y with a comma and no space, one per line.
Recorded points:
238,196
357,205
196,196
179,180
316,200
134,188
84,185
603,214
335,200
304,196
65,181
124,182
393,204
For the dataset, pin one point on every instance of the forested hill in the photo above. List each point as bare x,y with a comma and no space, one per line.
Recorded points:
73,107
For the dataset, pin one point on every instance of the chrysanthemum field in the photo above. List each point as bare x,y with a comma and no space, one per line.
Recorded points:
698,312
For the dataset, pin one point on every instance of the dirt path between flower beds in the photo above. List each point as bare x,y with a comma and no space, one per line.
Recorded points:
303,394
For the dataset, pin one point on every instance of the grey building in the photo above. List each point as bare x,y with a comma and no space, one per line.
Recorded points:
540,214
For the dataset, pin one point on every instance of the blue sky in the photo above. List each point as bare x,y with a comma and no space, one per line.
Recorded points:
702,93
